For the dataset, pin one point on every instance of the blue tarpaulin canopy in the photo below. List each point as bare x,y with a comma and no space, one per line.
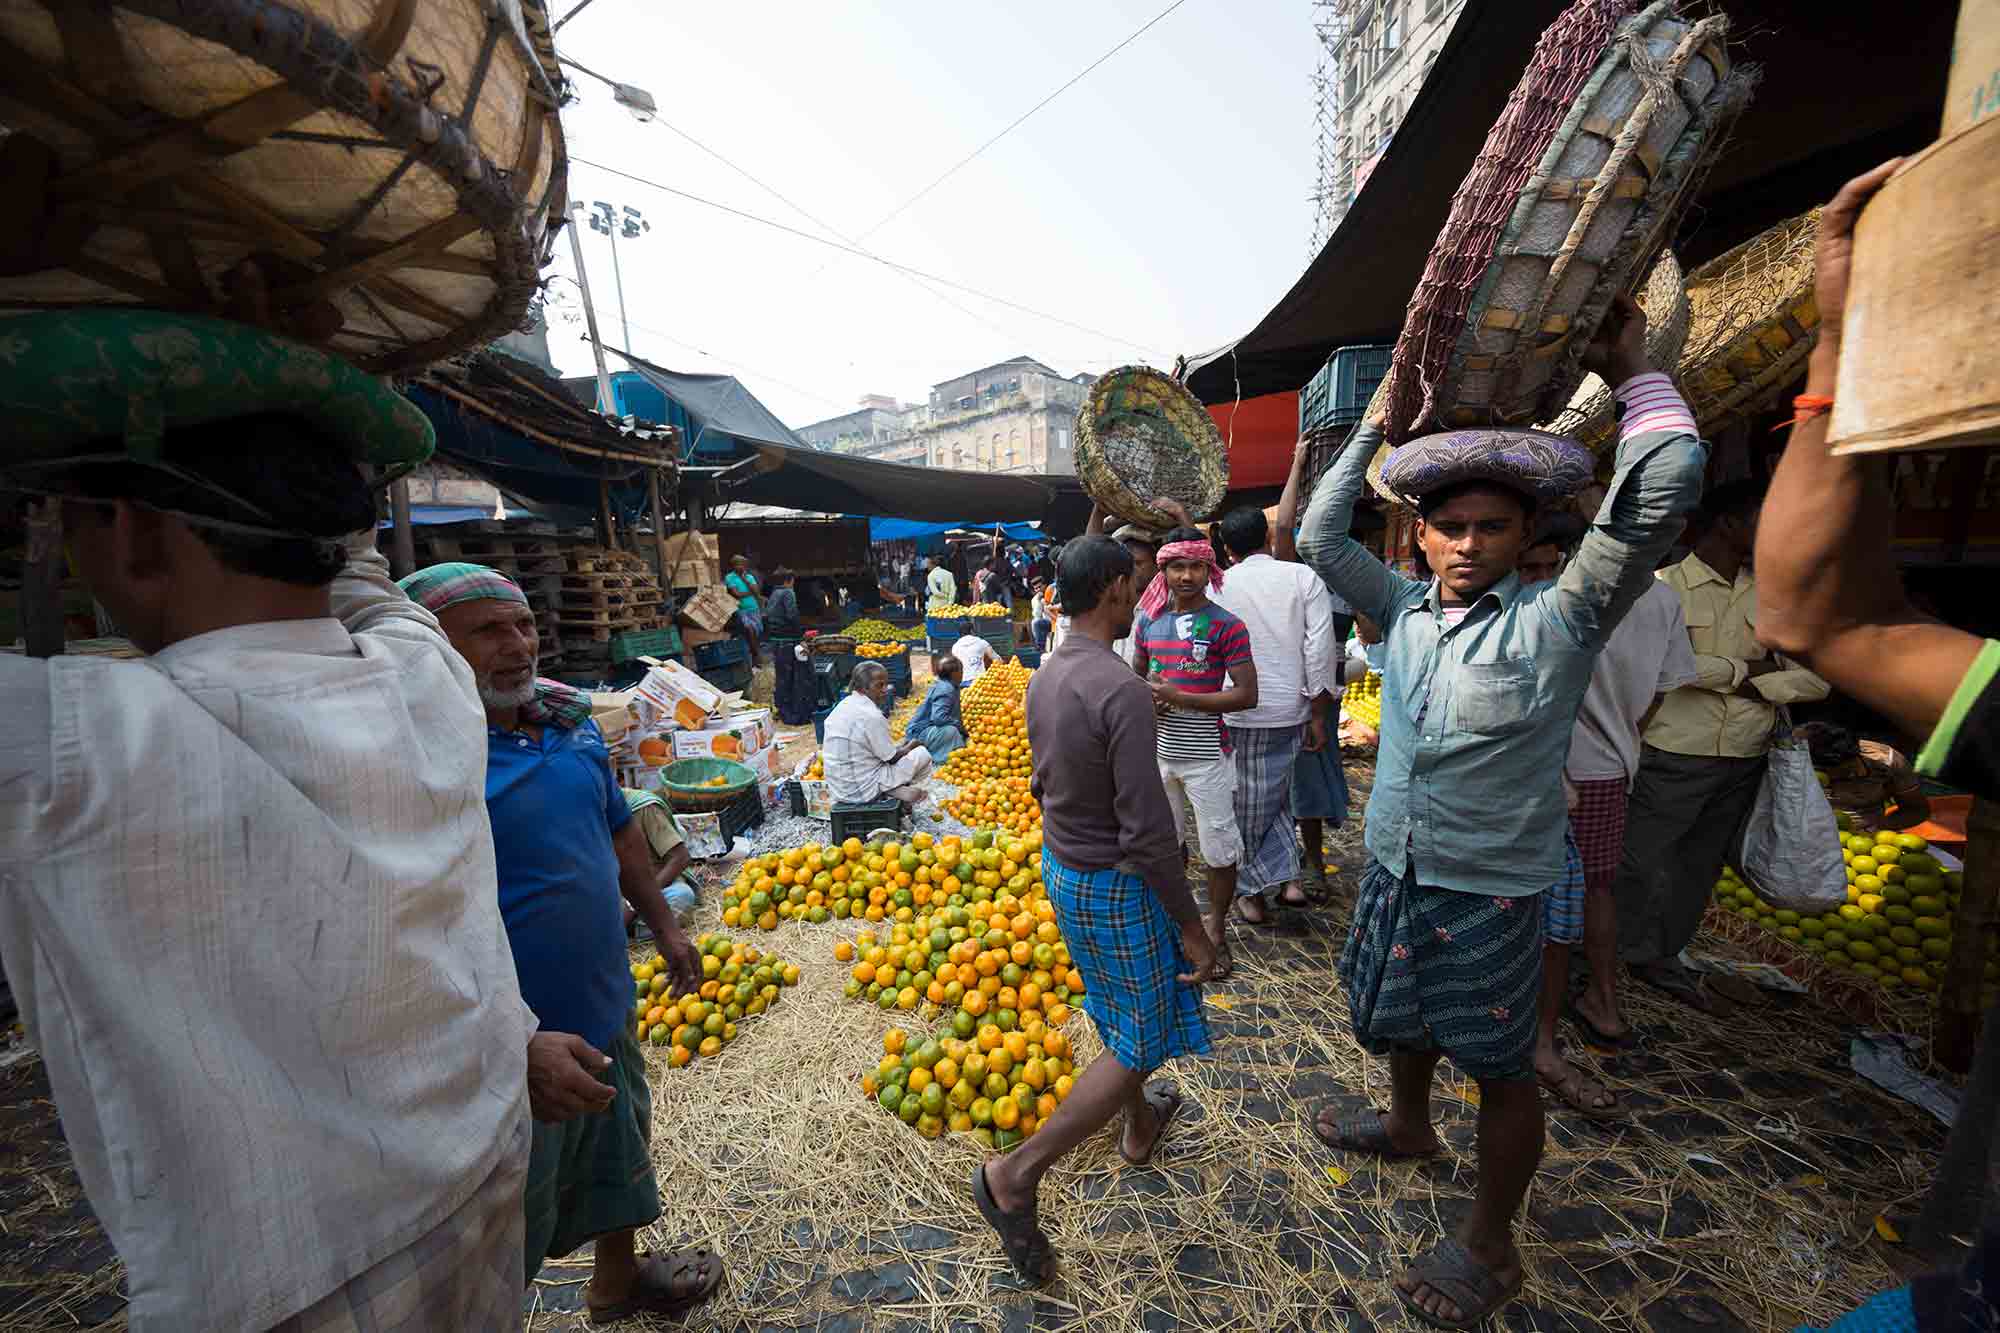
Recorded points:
422,515
905,529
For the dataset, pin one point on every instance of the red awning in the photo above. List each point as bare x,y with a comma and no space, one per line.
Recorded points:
1261,434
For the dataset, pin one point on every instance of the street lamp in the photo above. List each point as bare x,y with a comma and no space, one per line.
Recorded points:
614,222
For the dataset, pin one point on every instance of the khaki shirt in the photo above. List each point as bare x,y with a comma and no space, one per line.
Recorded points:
1708,718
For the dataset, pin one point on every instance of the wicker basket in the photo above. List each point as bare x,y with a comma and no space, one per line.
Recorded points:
1576,193
1752,321
374,177
1591,419
1141,435
683,783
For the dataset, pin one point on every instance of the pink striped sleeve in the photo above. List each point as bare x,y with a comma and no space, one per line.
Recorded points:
1652,403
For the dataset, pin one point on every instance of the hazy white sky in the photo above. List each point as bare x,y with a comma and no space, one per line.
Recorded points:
1161,203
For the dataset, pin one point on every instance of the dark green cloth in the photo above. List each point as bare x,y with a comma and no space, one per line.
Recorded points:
594,1174
94,373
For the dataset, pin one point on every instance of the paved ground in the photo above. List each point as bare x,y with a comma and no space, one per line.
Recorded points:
1726,1202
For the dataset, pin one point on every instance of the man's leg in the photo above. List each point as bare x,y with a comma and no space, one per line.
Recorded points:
1600,836
1312,850
1101,1092
1511,1136
1211,789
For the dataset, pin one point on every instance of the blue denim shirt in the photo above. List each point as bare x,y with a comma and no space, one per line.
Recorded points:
1472,795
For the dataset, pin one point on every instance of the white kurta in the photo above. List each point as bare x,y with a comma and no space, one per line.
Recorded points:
248,905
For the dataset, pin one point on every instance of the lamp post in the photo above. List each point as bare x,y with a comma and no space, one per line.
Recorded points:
614,222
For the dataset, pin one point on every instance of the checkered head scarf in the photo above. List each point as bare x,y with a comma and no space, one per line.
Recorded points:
440,586
1154,599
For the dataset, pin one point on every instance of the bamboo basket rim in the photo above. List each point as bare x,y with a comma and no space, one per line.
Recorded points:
1191,427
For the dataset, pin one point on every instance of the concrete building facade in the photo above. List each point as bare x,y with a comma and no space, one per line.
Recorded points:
1017,415
1375,55
878,421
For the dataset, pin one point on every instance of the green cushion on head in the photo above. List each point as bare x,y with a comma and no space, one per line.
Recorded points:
71,377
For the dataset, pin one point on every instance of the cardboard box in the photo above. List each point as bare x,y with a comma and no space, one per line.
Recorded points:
819,798
734,736
678,693
1972,90
694,638
703,833
709,609
693,548
764,763
691,574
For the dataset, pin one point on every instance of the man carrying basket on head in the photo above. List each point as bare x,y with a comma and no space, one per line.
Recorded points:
1465,825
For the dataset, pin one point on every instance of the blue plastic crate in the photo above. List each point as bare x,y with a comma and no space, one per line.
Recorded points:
1338,394
721,653
947,627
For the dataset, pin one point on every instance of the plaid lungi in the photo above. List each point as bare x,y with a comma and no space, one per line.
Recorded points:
1128,951
1319,784
593,1174
1264,758
463,1273
1436,970
1598,823
1562,901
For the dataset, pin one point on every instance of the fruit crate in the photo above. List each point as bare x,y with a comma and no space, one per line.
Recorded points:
646,643
949,628
743,813
729,679
1338,394
819,724
721,653
1030,657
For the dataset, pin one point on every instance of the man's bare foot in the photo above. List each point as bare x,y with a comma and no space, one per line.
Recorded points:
1218,935
1602,1020
1457,1285
1006,1191
1250,908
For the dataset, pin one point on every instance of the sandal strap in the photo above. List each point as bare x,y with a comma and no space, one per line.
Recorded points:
1450,1270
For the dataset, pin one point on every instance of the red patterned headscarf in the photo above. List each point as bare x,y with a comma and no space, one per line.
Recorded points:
1154,599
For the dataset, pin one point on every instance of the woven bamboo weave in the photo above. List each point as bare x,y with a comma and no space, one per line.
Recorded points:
1591,419
1140,435
376,177
1752,322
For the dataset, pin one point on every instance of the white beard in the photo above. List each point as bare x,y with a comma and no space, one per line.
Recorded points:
490,697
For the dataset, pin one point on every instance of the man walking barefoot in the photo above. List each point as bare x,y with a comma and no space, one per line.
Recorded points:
1111,861
1466,821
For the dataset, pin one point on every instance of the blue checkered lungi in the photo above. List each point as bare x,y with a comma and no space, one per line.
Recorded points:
1128,951
1437,970
1263,757
1562,901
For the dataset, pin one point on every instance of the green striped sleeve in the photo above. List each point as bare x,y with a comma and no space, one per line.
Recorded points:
1937,750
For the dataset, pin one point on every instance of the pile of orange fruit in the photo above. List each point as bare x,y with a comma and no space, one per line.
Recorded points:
877,881
996,729
996,803
882,649
998,1087
737,983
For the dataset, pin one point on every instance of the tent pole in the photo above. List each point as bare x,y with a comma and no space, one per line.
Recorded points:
590,315
41,580
659,524
402,541
607,535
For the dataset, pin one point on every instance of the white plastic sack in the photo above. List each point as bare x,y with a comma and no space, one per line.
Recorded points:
1790,855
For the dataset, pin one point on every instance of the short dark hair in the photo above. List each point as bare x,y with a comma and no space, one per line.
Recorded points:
282,472
944,664
1732,499
780,577
1432,501
1245,530
1181,535
1089,565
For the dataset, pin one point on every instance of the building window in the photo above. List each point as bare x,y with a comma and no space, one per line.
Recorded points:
1429,61
1013,448
1351,81
1392,25
1368,136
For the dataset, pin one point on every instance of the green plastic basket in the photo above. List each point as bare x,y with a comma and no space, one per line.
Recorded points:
683,783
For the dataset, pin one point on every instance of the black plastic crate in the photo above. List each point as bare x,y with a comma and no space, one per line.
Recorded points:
858,821
1344,385
729,679
745,812
721,653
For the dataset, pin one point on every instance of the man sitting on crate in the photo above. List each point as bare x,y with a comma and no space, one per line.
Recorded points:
1466,821
568,846
863,765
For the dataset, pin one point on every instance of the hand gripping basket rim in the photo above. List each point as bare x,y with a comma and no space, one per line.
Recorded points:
1591,418
1179,416
405,300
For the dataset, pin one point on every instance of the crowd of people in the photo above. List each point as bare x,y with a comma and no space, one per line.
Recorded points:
365,1061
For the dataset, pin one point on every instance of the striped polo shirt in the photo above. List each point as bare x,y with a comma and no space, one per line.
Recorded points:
1193,651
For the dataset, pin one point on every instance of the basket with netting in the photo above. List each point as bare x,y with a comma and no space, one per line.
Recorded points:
1591,419
1140,435
1575,194
1752,322
376,178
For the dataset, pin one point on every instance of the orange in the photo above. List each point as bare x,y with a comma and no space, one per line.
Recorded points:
1016,1044
679,1056
864,972
843,951
894,1040
1058,1014
1045,1106
988,1037
1006,1113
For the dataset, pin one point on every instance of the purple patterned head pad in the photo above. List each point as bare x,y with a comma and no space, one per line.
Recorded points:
1542,466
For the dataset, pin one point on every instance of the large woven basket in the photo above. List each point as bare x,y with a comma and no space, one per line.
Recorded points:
1591,419
1752,322
1576,193
1140,435
375,177
684,783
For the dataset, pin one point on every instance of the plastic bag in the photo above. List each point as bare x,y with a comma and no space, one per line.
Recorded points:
1790,852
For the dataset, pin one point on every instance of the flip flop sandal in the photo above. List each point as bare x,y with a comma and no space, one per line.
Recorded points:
1166,1101
1369,1133
1021,1235
655,1295
1571,1091
1595,1035
1452,1272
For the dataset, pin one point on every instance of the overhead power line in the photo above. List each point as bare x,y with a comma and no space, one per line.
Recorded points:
862,254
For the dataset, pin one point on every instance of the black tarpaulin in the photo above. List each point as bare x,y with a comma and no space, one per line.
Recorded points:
1845,85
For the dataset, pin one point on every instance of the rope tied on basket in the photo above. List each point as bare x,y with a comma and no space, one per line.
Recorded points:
1154,599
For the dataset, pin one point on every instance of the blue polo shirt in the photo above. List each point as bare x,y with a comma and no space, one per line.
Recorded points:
554,806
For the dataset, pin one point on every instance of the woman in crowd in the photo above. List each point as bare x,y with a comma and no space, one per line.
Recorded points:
937,723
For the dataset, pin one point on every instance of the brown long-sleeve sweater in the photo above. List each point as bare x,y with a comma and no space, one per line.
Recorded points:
1090,723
